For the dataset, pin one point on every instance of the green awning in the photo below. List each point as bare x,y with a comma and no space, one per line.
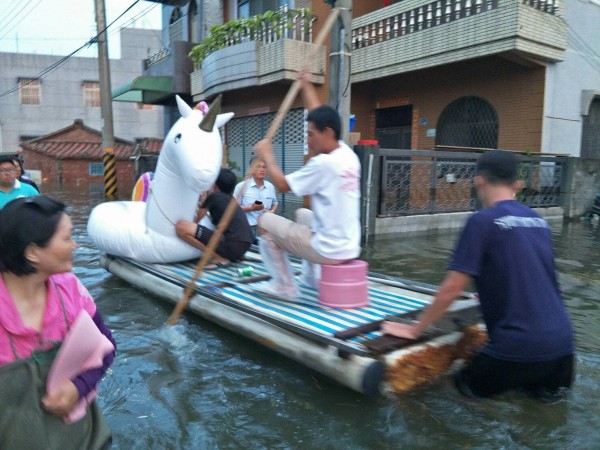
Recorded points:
144,90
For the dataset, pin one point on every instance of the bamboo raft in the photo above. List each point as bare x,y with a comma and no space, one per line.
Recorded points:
343,344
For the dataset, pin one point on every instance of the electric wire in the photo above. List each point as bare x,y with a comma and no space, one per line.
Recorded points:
64,59
16,15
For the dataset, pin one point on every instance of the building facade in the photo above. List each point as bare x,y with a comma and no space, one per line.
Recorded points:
444,74
32,106
572,96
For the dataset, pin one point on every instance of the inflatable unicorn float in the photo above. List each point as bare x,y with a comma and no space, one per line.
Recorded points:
188,164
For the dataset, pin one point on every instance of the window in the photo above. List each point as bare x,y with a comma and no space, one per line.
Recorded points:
91,94
590,136
244,8
176,26
30,90
247,8
96,169
468,122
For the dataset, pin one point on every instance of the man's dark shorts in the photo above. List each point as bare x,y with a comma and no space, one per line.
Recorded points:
233,251
485,376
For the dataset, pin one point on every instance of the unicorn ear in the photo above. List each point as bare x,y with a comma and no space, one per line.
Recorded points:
222,119
184,108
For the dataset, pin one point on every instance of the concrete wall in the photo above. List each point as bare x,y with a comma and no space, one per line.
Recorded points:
566,80
62,98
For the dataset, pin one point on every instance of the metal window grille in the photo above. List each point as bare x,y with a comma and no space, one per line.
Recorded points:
468,122
91,94
95,169
30,91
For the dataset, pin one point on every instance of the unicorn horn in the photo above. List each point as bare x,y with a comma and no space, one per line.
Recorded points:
208,122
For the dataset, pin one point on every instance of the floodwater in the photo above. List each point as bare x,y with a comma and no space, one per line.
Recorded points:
198,386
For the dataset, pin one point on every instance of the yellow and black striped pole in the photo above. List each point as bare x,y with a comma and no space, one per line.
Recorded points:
108,138
110,173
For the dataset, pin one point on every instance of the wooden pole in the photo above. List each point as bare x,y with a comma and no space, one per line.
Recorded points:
207,255
228,214
108,139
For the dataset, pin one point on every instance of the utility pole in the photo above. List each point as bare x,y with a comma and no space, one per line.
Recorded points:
339,63
108,138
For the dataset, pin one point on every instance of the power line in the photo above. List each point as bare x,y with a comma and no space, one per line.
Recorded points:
10,16
584,51
16,15
61,61
138,16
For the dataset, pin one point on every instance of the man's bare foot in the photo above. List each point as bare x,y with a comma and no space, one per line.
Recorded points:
216,263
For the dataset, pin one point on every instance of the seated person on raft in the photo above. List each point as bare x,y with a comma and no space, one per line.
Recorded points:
330,233
236,238
256,195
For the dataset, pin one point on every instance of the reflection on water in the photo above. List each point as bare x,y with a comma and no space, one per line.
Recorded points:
198,386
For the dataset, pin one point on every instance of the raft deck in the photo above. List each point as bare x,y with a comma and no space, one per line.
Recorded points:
344,335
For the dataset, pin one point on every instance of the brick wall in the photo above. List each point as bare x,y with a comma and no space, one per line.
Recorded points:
72,174
515,91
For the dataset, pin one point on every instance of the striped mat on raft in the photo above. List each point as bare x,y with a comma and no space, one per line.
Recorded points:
308,314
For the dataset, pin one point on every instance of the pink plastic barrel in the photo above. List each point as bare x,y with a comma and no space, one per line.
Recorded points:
344,285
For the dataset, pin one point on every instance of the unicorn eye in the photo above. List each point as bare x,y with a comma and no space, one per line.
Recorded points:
177,138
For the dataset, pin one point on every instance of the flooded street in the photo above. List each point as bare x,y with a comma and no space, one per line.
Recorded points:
198,386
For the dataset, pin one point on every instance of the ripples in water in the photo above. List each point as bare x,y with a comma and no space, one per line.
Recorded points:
198,386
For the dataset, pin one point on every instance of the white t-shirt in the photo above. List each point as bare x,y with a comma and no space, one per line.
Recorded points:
333,182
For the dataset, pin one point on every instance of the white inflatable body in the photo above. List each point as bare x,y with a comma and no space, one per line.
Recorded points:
188,164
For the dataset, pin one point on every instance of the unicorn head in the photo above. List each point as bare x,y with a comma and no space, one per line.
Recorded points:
192,150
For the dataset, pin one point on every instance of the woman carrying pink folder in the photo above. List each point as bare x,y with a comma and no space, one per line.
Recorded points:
40,300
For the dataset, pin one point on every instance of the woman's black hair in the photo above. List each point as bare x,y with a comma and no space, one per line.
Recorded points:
325,116
24,221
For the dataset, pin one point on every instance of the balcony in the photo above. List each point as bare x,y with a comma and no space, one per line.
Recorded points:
270,54
414,35
172,60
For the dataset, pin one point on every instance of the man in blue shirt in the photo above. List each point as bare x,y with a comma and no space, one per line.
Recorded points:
507,249
10,187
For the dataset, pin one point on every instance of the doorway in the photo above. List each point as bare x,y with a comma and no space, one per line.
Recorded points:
394,131
393,127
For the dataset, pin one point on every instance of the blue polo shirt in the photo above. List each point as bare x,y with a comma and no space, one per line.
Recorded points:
19,190
266,194
507,249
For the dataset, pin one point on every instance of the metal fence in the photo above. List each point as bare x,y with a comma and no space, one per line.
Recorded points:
430,182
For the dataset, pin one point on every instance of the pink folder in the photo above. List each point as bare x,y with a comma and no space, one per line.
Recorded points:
83,348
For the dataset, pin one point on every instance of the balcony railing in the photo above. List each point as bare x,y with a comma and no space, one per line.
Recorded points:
430,15
157,56
295,24
296,27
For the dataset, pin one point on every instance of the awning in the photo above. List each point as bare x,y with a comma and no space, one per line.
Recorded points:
144,90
